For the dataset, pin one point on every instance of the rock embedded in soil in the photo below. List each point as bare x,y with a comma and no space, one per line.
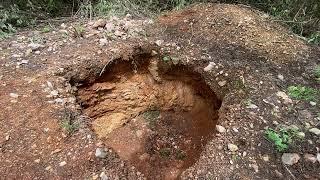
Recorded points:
315,131
222,83
99,23
14,95
232,147
35,46
313,103
101,153
290,158
220,129
284,97
310,158
301,135
103,176
63,163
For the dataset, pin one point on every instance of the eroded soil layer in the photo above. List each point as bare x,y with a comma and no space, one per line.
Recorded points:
158,118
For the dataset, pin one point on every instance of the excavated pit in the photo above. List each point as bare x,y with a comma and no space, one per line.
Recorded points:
158,118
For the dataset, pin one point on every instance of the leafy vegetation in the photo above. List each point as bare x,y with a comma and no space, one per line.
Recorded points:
303,17
164,152
180,155
151,117
69,127
282,138
68,123
46,29
303,93
317,73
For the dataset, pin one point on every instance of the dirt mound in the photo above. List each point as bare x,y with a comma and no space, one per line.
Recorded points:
221,24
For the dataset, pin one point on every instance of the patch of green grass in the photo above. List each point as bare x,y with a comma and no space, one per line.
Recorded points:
164,152
166,58
180,155
151,117
314,38
317,72
46,29
303,93
78,31
68,123
282,138
69,127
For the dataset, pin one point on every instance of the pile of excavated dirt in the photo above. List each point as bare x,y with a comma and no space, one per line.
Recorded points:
189,96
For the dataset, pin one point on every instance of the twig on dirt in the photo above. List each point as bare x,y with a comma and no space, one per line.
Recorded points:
192,34
103,69
292,21
290,172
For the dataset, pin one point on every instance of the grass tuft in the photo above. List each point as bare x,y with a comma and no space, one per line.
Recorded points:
302,93
317,73
282,138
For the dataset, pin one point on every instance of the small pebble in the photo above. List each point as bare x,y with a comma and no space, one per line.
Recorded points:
232,147
315,131
290,158
310,158
14,95
100,153
220,129
63,163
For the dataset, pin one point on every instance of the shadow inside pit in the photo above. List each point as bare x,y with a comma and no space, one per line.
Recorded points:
157,117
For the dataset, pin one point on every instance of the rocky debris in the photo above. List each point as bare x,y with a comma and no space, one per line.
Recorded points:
109,27
222,83
99,23
101,153
290,158
232,147
220,129
103,176
56,151
266,158
14,95
7,137
301,135
305,114
255,167
310,158
54,93
22,62
35,46
280,76
318,157
103,42
284,97
315,131
159,42
210,66
279,174
63,163
313,103
48,168
63,26
252,106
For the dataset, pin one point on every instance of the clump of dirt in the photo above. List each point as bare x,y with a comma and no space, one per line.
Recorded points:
156,117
